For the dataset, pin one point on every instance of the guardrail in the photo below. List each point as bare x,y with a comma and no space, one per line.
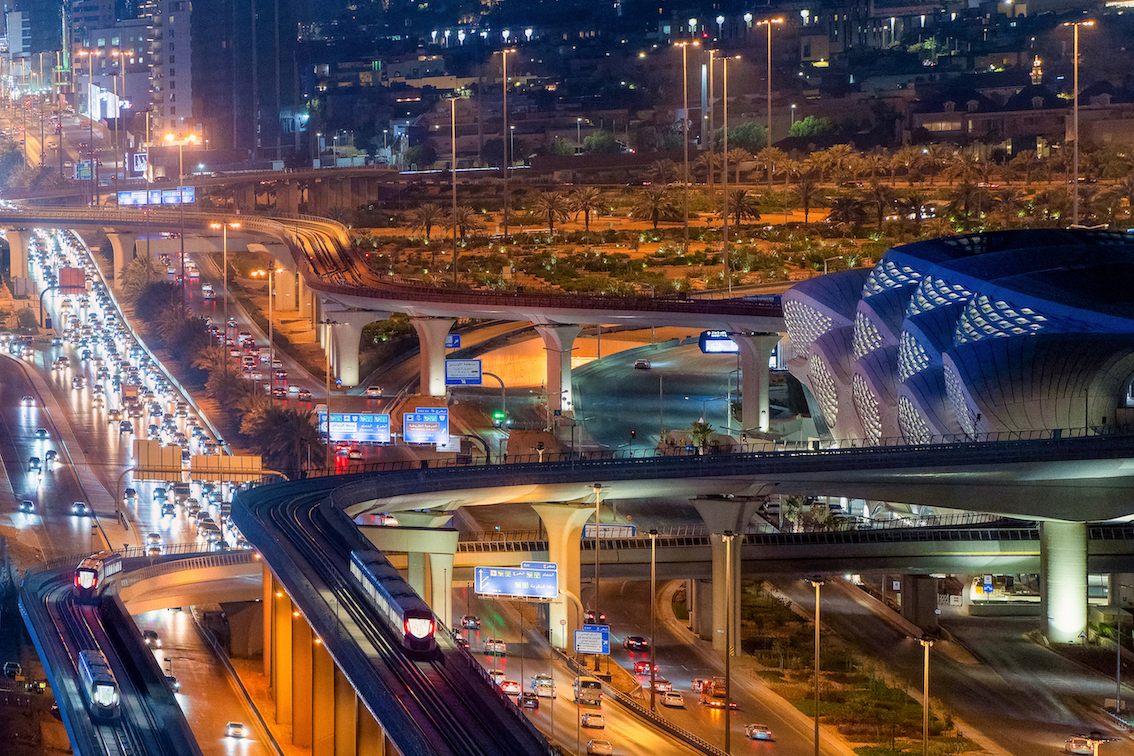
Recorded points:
170,550
216,559
641,711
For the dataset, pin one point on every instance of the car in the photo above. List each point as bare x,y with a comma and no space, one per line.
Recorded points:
661,685
168,510
35,464
27,400
160,494
80,508
591,618
12,669
50,455
599,748
125,427
470,621
758,732
496,675
278,393
234,730
304,395
672,698
373,392
636,643
510,687
153,538
641,364
151,639
130,493
27,506
41,433
78,383
495,646
153,551
528,700
643,667
462,643
355,455
593,721
172,684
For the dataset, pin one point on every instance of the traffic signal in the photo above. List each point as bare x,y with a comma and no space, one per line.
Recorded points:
633,435
497,419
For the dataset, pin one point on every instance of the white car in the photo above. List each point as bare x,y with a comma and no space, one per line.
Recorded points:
234,730
600,748
758,732
672,698
593,721
495,647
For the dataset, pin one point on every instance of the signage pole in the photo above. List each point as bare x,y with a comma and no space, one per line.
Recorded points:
598,503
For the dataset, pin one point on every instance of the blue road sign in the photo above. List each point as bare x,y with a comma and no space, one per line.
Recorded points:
517,582
453,341
539,565
462,373
357,427
593,639
426,426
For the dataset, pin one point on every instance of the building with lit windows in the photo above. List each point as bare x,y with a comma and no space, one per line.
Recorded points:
1010,331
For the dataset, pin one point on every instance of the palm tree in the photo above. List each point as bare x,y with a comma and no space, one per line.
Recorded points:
654,203
742,205
1009,201
935,157
913,203
838,159
882,197
962,167
586,200
771,158
424,217
806,192
662,171
736,156
911,158
1051,204
142,271
554,204
816,163
466,221
965,200
847,211
282,435
1025,162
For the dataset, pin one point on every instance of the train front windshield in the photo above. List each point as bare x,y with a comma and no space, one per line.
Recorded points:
105,694
419,627
86,578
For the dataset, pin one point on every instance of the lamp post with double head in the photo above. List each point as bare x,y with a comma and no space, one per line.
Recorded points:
597,488
724,173
768,23
653,615
728,537
182,140
685,136
504,73
1075,124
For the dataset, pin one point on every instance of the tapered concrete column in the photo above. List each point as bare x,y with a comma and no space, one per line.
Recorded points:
282,656
431,333
372,739
721,516
441,587
123,246
346,716
322,700
304,298
18,240
558,341
301,691
268,603
285,291
564,524
755,351
345,335
1063,580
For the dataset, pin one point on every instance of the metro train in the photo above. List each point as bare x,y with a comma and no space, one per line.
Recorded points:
99,686
93,570
399,607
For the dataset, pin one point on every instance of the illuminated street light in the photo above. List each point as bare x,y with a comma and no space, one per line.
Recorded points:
223,228
817,582
926,643
172,139
724,173
685,134
1075,125
769,23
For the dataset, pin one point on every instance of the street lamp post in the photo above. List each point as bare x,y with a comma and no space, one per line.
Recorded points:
712,107
685,135
724,173
270,273
597,488
453,174
817,582
224,227
653,612
504,72
792,114
926,643
768,23
1075,124
171,139
578,134
728,535
829,259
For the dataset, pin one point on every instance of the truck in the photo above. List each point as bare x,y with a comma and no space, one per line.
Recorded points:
587,690
129,394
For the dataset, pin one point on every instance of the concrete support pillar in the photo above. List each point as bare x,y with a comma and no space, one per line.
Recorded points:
755,351
18,240
1063,580
558,341
371,738
564,524
282,656
919,601
345,336
285,291
431,333
722,516
301,687
701,607
304,299
123,246
346,716
322,700
440,587
267,604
